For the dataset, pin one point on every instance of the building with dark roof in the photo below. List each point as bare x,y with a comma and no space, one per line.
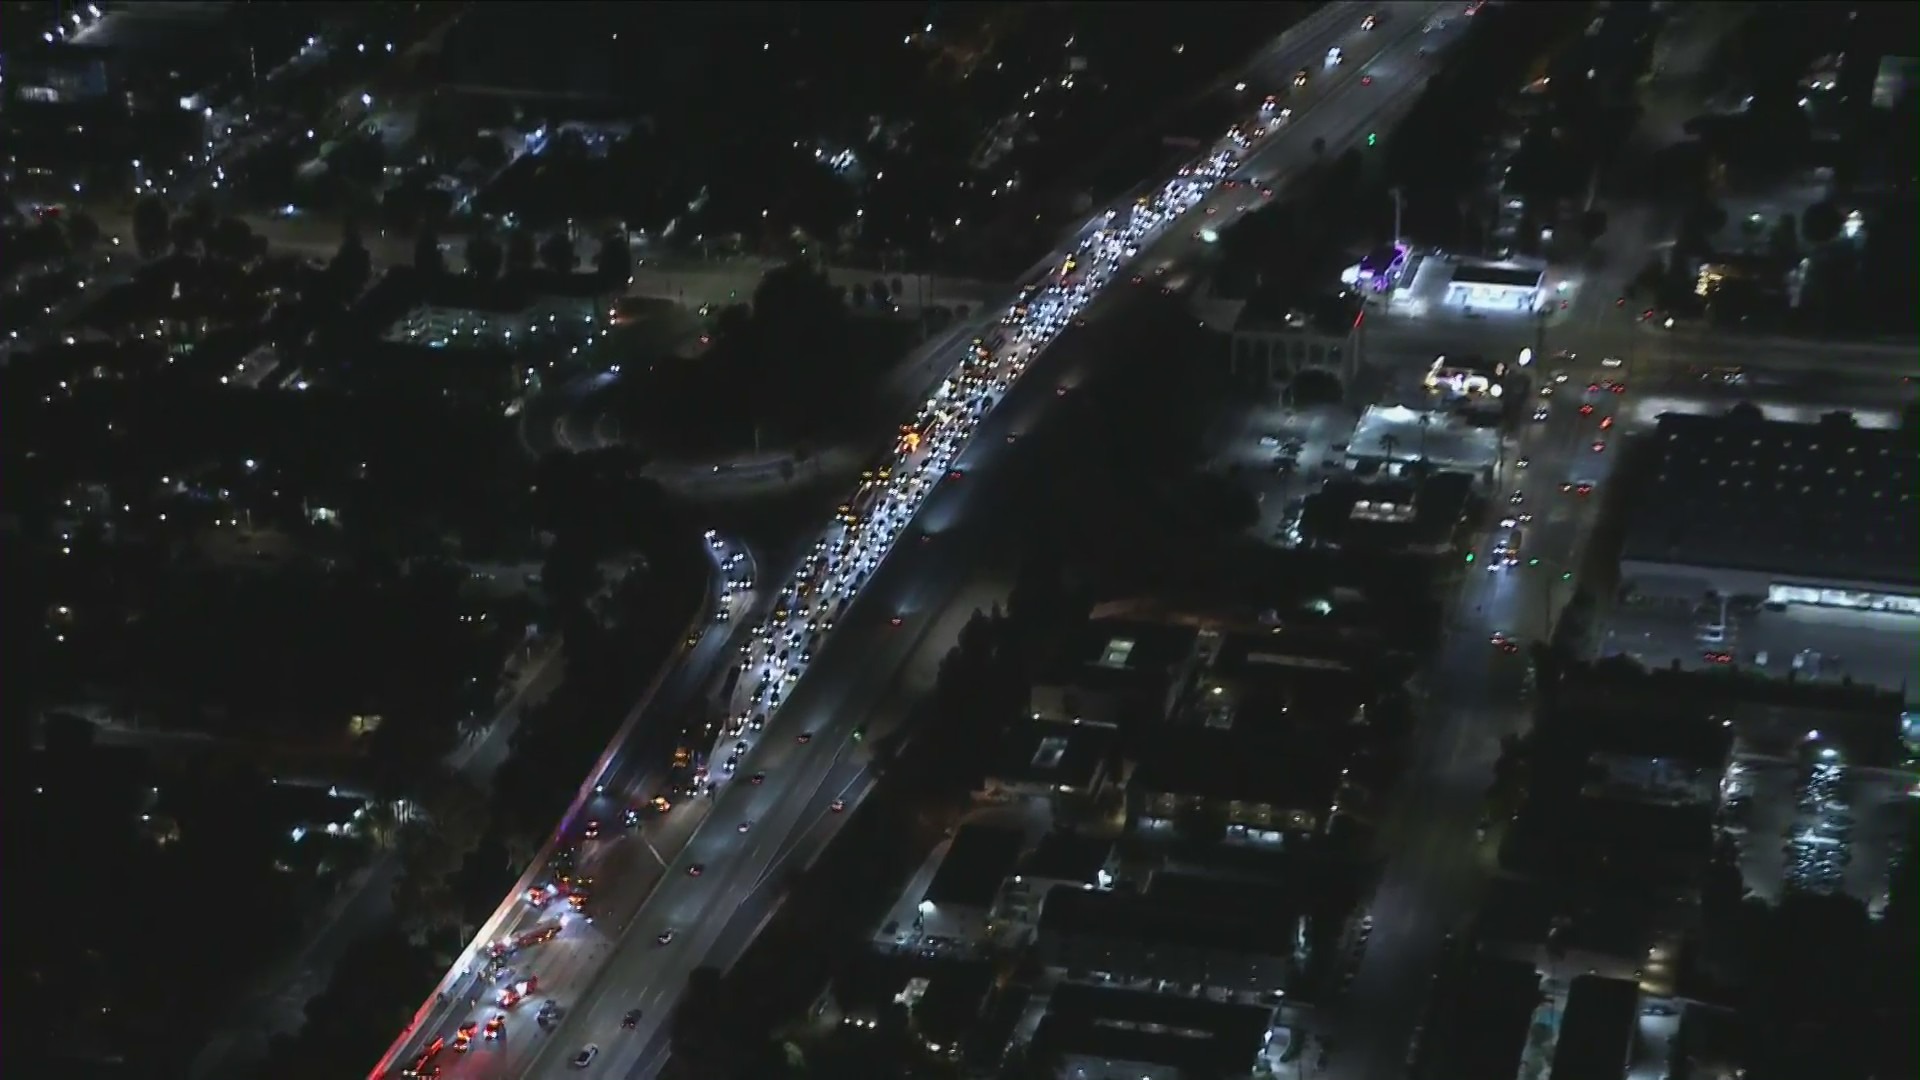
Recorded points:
1101,1032
1817,514
1275,338
942,999
963,889
1596,1035
1232,936
1480,1030
1043,758
1115,673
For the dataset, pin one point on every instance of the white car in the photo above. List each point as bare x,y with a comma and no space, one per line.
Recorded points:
586,1055
1542,413
1609,361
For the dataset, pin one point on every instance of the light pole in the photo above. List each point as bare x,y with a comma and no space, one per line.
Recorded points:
1399,207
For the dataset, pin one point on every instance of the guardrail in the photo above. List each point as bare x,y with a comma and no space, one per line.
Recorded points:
443,993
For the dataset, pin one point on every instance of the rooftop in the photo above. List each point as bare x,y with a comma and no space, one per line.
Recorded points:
945,994
1472,273
1490,1017
1184,912
1830,499
1064,856
1123,652
1053,753
980,859
1196,1036
1271,310
1596,1034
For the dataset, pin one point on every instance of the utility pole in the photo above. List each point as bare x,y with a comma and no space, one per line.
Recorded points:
1399,207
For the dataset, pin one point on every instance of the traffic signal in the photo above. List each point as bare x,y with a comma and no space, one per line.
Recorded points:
1372,138
1533,562
1567,576
1469,556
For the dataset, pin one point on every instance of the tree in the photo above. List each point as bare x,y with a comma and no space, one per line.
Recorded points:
352,264
858,294
613,263
570,574
521,252
185,238
483,255
232,239
427,257
557,253
1785,241
83,232
150,227
1820,223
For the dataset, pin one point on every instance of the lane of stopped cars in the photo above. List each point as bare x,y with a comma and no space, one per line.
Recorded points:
869,524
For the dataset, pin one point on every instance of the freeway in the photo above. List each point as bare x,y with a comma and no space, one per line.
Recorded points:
802,770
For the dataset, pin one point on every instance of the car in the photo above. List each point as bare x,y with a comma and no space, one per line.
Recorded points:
1517,498
630,817
631,1020
1366,80
1717,657
804,737
1606,422
759,778
1610,361
463,1038
664,937
1586,408
1367,23
586,1055
837,805
1546,391
1300,77
496,1028
696,870
744,826
1522,462
1542,413
592,831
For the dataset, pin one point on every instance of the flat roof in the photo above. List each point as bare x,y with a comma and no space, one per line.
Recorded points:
1829,499
1271,310
1197,1036
945,994
1519,277
1395,432
980,858
1286,768
1596,1034
1065,856
1114,652
1182,912
1491,1016
1053,752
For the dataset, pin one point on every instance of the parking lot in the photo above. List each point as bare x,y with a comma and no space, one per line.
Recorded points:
1810,644
1282,454
1819,825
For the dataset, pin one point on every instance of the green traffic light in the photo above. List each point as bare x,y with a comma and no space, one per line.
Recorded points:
1372,138
1469,556
1533,562
1568,576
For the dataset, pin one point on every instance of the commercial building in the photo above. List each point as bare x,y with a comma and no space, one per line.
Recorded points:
1419,515
1046,758
458,312
1479,1029
940,1000
1496,287
958,903
1275,339
1115,673
1094,1033
1257,701
1739,506
1596,1035
1182,933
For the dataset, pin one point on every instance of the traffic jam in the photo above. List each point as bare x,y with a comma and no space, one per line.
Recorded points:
874,518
